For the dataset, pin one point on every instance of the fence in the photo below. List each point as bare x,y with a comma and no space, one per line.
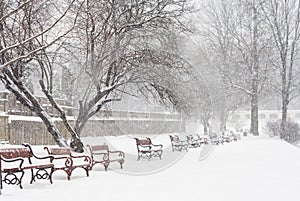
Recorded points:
32,130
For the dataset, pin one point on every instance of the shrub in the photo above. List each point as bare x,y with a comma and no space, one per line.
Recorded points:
273,128
291,134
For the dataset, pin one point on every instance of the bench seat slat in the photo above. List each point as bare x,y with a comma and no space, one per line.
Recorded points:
39,166
7,170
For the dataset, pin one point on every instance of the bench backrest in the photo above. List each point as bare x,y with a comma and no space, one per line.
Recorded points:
58,151
213,135
174,138
190,137
142,141
99,148
10,153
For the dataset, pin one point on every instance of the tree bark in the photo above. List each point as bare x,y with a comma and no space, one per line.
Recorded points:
284,107
255,74
76,143
254,115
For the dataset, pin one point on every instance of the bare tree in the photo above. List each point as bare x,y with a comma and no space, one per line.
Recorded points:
283,18
123,46
114,46
239,46
27,28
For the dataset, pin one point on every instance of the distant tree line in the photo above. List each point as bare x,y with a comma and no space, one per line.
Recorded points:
254,46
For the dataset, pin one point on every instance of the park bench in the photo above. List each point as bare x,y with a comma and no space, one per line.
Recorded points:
146,149
101,154
203,139
215,139
236,137
15,161
177,144
193,142
227,138
64,160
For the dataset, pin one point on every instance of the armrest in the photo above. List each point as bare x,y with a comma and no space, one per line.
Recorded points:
180,142
85,157
157,145
60,157
121,153
183,141
105,156
13,160
68,160
35,156
82,156
148,147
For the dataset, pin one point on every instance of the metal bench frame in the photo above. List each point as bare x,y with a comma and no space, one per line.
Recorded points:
177,144
146,149
14,175
65,154
103,150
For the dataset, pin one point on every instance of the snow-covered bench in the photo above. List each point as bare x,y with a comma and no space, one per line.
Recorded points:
177,144
15,161
148,150
102,154
216,139
203,138
193,142
63,159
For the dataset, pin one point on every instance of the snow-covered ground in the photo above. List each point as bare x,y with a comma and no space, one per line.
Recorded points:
254,168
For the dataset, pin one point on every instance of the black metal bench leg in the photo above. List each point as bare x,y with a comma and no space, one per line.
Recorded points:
87,171
41,173
105,165
50,176
139,157
121,163
32,176
20,180
15,180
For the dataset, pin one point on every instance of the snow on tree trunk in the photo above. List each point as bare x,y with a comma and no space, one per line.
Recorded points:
52,129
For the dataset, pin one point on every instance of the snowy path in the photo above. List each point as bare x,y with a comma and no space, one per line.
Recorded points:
251,169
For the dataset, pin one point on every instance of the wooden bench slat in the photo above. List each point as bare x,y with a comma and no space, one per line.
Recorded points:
10,153
59,151
11,170
39,166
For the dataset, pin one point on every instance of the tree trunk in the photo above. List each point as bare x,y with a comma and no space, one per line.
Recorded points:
255,74
76,143
284,107
283,120
254,115
52,129
28,100
205,129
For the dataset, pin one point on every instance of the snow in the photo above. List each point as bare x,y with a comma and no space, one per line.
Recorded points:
254,168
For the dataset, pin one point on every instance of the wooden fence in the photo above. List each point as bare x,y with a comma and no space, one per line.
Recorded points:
35,132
